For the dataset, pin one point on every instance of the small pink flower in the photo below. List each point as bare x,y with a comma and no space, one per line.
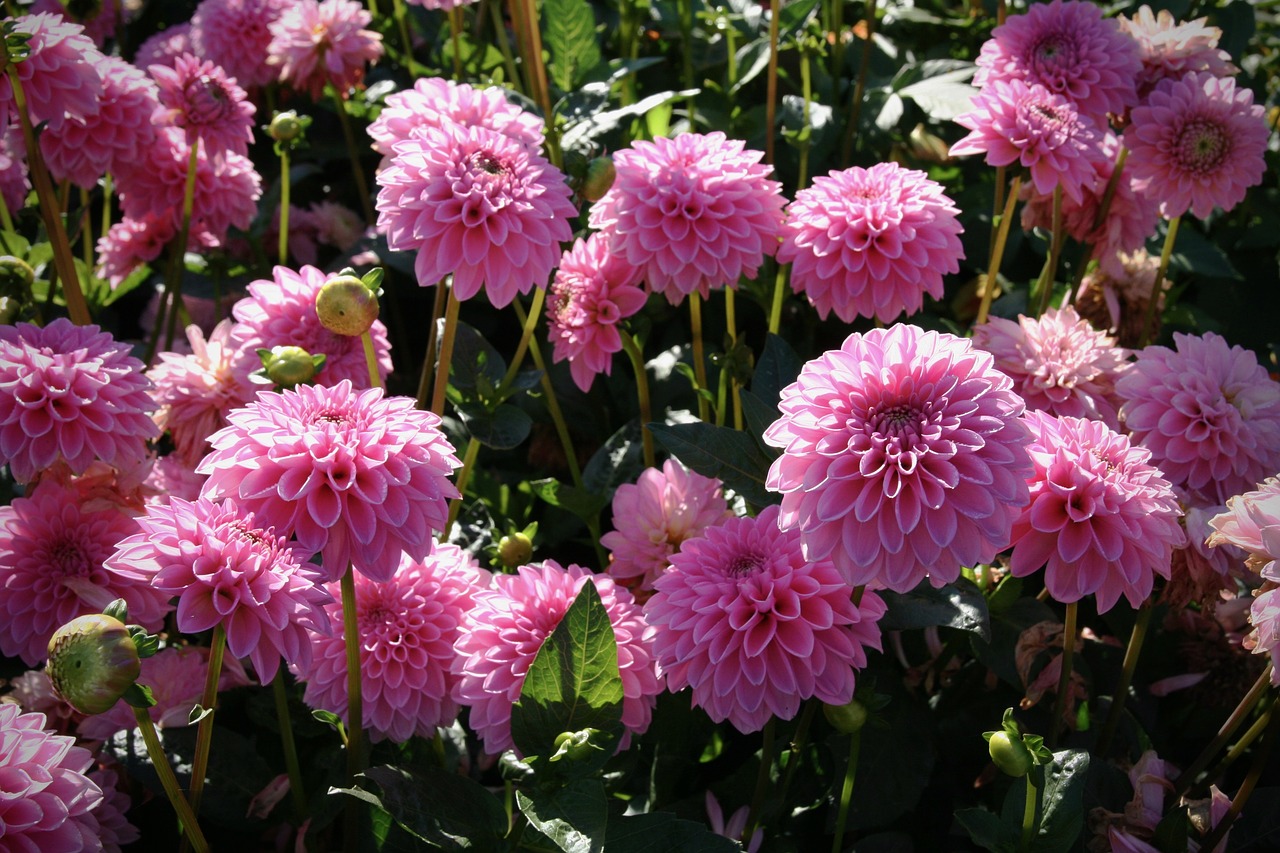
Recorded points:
435,101
33,691
200,98
1169,49
1264,616
171,478
440,4
1115,296
236,34
1252,523
336,225
60,77
130,243
736,826
315,43
164,48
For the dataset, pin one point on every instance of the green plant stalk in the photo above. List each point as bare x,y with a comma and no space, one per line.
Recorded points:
771,83
1238,748
1050,271
988,284
446,352
107,192
177,257
402,23
169,782
429,359
795,756
86,232
1104,208
1131,653
997,206
455,40
1157,286
1188,777
526,333
283,242
500,36
1250,781
806,91
204,732
779,296
835,26
371,360
642,393
296,788
686,56
699,356
859,87
731,320
846,790
6,219
464,475
1064,678
355,706
762,779
525,17
1029,809
349,136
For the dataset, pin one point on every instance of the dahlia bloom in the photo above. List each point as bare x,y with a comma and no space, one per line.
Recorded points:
871,242
1197,143
15,185
164,48
904,456
655,515
236,34
1207,411
1116,295
503,631
435,101
440,4
114,829
592,292
315,43
60,76
1070,49
1252,523
198,96
70,394
408,626
356,476
478,204
754,627
694,212
33,691
1169,49
99,18
130,243
171,478
1101,519
336,225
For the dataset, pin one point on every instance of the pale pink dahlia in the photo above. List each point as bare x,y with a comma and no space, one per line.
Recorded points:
408,626
434,101
336,225
52,554
236,34
871,242
1207,411
655,515
592,292
1102,520
356,476
315,43
1059,363
1264,616
33,691
1070,49
1169,49
170,477
504,630
60,76
130,243
694,212
198,96
1197,143
754,627
904,457
1252,523
164,48
47,803
70,394
478,204
1012,122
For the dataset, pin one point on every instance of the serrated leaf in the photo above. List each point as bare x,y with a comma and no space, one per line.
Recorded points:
573,817
957,605
504,428
569,33
569,498
732,456
661,832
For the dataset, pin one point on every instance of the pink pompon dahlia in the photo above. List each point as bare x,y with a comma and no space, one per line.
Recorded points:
164,48
1070,49
502,633
1207,411
592,292
236,34
434,101
1252,523
1198,143
694,212
1059,363
871,242
315,43
356,476
70,394
198,96
1015,123
904,457
130,243
408,626
655,515
754,627
1169,49
478,204
60,76
1101,520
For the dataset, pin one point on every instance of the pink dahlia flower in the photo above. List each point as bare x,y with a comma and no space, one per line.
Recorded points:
356,476
1252,523
435,101
70,394
48,802
592,292
1197,143
1207,411
904,456
754,627
478,204
694,212
1059,363
1070,49
198,96
871,242
1116,295
171,478
1012,122
408,626
33,691
60,77
315,43
1101,520
164,48
15,186
336,225
98,18
655,515
1169,49
502,633
114,829
130,243
236,35
440,4
52,554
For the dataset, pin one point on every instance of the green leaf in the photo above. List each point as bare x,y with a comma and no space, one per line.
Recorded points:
759,416
987,830
733,456
1195,253
618,461
475,363
573,817
778,367
504,428
1062,802
581,135
661,832
569,32
944,96
957,605
1171,832
569,498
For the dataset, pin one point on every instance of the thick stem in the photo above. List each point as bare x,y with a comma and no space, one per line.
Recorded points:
1157,286
859,86
177,257
1064,677
204,732
1050,271
686,56
988,283
771,84
283,241
294,769
731,320
402,23
846,790
524,15
500,36
1238,748
1246,788
169,782
429,359
1029,807
553,403
779,296
355,704
446,352
526,334
762,779
806,92
455,40
353,153
464,475
642,393
1188,777
699,356
1121,693
371,360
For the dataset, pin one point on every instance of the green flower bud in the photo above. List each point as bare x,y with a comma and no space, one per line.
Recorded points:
1010,754
515,549
92,662
600,174
847,718
289,366
285,127
346,306
575,746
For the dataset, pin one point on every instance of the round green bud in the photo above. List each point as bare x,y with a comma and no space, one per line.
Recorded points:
847,718
1010,754
285,127
600,174
288,366
515,549
92,662
346,306
574,746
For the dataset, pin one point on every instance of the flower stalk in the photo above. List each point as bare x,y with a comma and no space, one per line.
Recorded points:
989,281
446,351
1157,286
204,731
289,745
355,705
642,393
1233,722
699,354
170,782
1064,678
1121,693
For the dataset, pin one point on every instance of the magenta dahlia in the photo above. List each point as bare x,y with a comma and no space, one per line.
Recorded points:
315,43
478,204
198,96
754,627
98,18
60,76
164,48
114,829
694,212
871,242
1252,524
435,101
236,34
1168,49
503,631
15,185
904,457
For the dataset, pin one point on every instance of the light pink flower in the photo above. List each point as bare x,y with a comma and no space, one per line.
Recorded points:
1169,49
754,627
165,46
1252,523
114,829
198,96
904,457
502,633
436,101
171,478
33,691
236,34
478,204
98,18
60,77
315,43
336,225
440,4
736,826
130,243
871,242
694,212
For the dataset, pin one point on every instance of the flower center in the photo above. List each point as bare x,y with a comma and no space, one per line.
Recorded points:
69,559
745,564
487,163
1202,146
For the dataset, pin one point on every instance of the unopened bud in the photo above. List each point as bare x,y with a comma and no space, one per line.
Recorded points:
847,718
515,549
92,662
287,366
346,306
285,127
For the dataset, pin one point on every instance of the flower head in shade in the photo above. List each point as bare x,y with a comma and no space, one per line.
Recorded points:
99,18
15,185
1115,296
70,394
871,242
198,96
1207,411
1101,520
904,456
434,101
170,477
131,243
407,629
60,77
1197,143
1252,524
236,34
315,43
502,633
478,204
114,829
165,46
1169,49
1059,363
593,291
755,628
655,515
694,212
356,476
1070,49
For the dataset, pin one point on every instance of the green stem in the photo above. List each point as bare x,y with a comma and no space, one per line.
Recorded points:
1157,286
464,475
1121,693
771,84
846,790
992,276
285,721
429,359
204,732
371,360
526,334
355,705
1246,788
699,356
455,41
686,55
1188,777
731,321
1050,271
283,243
1238,748
642,392
500,36
1104,207
6,219
402,23
1064,678
779,296
349,136
1030,805
177,257
86,231
762,778
446,352
997,207
806,92
795,756
169,782
859,86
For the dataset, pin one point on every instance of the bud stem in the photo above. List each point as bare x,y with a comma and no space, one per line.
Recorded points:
355,704
1029,811
296,788
161,762
204,732
846,791
1064,679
